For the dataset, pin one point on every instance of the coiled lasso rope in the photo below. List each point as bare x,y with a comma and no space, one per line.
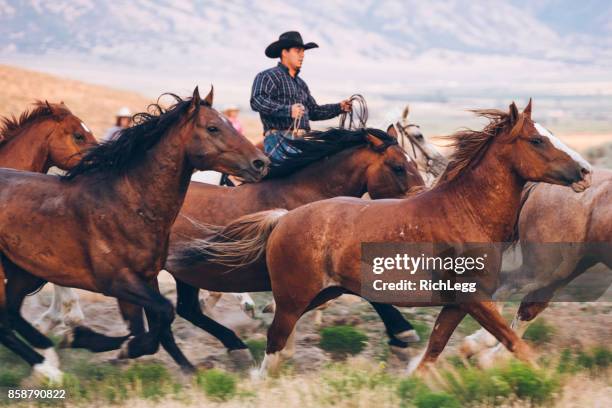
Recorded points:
358,116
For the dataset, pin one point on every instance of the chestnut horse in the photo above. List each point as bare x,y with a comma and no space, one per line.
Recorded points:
561,236
313,252
353,162
48,135
110,220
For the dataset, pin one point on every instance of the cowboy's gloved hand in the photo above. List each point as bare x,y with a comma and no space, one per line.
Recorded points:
297,110
346,105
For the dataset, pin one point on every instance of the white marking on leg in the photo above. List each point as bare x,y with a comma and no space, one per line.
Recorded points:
289,349
519,326
49,368
269,366
562,146
415,362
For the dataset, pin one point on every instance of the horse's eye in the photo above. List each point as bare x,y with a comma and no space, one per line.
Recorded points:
212,129
398,168
419,137
79,137
536,141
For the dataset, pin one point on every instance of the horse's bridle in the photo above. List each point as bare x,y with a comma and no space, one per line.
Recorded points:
413,144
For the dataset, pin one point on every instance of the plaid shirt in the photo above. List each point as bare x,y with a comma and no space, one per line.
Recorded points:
273,93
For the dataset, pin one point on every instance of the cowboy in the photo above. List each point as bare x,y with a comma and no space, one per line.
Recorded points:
283,99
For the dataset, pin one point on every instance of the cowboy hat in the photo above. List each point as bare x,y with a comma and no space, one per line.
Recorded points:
287,40
124,112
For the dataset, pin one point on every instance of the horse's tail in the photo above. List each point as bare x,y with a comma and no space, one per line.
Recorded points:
238,244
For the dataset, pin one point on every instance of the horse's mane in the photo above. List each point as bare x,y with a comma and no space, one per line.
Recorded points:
318,144
12,126
470,145
117,156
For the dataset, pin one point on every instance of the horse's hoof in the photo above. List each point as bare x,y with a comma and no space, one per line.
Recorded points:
45,372
477,342
409,336
241,358
67,338
269,308
402,353
124,351
249,310
492,356
188,369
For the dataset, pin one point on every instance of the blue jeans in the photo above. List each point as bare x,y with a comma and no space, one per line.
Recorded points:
275,147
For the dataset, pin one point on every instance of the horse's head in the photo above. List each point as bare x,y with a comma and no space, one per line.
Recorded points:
214,143
427,158
537,155
390,173
69,137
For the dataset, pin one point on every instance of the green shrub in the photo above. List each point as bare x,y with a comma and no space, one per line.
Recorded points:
217,384
409,388
436,400
585,360
539,332
470,385
151,381
602,357
341,341
257,349
528,383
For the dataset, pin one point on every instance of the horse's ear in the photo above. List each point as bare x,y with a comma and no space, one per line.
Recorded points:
194,107
392,132
527,110
406,112
375,142
514,113
209,98
53,110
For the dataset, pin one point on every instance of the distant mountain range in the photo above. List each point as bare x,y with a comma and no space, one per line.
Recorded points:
389,50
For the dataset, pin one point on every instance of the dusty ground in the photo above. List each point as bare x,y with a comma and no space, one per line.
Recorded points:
577,324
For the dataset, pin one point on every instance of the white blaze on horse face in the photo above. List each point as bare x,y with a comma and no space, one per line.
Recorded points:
85,127
562,146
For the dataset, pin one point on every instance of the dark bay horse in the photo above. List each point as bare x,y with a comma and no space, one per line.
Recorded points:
561,235
313,252
48,135
350,163
109,220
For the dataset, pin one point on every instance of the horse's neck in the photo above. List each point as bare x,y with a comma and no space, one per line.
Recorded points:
160,182
343,174
490,195
28,150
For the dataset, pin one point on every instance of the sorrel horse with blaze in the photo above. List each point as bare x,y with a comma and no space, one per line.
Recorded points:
48,135
341,163
313,252
110,219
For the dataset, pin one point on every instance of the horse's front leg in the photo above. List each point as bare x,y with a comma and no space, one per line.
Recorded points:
446,323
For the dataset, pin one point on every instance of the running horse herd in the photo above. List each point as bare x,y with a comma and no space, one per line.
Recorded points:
126,209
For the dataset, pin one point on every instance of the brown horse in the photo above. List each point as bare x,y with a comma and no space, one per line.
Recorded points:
110,220
48,135
350,163
561,236
313,252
